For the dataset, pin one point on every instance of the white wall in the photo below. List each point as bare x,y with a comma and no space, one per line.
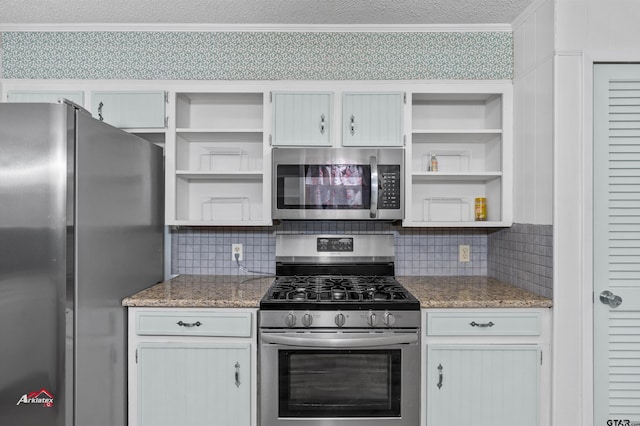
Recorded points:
533,115
587,31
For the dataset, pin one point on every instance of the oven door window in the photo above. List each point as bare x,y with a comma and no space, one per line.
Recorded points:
339,383
336,186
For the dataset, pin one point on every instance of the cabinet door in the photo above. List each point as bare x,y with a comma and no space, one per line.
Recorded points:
301,119
480,385
74,96
130,110
194,384
372,119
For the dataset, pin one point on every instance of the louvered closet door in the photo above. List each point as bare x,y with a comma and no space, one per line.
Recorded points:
617,243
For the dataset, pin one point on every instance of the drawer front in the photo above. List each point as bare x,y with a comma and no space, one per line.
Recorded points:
194,324
483,324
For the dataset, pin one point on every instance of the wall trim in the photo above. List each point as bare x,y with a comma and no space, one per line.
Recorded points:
526,13
87,27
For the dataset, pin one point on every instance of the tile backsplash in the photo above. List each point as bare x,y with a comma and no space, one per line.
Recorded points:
418,251
521,255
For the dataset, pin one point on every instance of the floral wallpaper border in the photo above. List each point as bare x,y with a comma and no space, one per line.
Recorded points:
156,55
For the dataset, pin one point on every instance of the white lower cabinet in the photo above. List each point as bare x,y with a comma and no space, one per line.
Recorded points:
189,384
192,367
486,367
482,385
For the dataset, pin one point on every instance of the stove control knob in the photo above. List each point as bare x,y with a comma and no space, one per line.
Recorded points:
372,319
290,320
307,319
340,320
388,319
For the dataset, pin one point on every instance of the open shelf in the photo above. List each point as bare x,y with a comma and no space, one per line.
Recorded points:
464,133
218,161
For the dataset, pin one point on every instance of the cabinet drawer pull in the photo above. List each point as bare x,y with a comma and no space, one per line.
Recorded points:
322,124
237,374
100,105
352,125
189,324
439,376
487,324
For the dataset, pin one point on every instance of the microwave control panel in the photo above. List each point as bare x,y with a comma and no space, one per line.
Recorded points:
389,186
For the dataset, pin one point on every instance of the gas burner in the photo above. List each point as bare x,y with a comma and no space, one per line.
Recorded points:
373,294
338,293
297,295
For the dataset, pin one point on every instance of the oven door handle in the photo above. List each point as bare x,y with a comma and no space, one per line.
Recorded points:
335,340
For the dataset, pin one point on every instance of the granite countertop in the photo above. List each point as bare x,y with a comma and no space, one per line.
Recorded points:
217,291
241,292
471,292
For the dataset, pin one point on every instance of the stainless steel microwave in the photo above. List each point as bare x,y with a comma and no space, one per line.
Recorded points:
338,183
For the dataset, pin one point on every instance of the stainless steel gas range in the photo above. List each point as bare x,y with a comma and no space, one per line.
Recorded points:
339,336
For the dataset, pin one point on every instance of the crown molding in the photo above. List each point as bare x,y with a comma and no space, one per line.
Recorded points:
306,28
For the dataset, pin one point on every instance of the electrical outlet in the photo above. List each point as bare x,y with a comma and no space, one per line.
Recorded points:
464,253
236,249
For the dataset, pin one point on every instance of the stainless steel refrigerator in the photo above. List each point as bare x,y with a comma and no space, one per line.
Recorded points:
81,227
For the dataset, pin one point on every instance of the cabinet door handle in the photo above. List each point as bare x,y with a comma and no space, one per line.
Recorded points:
322,124
189,324
100,105
237,374
439,376
487,324
352,125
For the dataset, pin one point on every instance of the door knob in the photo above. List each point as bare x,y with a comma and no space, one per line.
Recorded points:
610,299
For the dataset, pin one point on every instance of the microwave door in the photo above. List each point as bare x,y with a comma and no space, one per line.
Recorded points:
293,188
373,211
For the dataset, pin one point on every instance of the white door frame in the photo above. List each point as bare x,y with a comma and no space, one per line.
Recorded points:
573,359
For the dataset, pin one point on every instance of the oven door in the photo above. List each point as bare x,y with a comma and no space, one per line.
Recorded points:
340,378
321,183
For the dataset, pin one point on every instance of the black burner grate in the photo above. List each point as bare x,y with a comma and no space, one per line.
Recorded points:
327,289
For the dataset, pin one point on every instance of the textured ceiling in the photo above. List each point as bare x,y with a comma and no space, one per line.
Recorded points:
320,12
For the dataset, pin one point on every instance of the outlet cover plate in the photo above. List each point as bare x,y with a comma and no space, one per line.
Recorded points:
464,253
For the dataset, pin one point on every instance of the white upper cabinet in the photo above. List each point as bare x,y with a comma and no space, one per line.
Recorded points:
372,118
301,118
49,96
218,139
460,151
368,119
130,109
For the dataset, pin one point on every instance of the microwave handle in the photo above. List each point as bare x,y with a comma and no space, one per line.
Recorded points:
373,163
